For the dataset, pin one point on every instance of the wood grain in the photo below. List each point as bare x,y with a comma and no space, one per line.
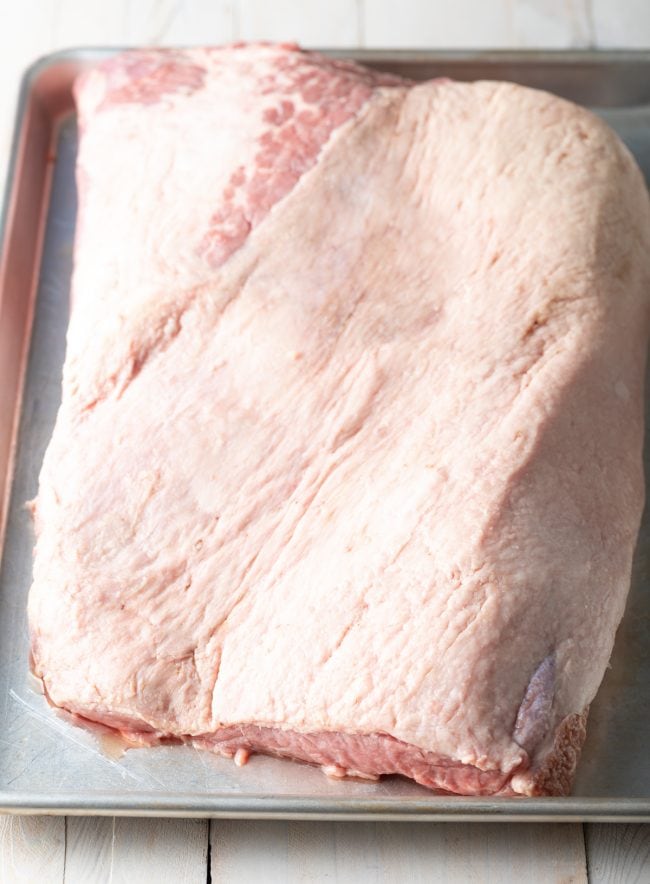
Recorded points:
311,22
180,22
136,851
556,24
32,848
349,853
437,23
621,25
78,24
618,854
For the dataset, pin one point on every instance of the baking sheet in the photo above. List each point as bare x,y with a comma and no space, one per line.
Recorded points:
46,764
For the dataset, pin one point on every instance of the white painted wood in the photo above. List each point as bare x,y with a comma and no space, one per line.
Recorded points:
556,24
618,854
180,22
621,24
437,23
82,24
136,851
390,853
310,22
32,848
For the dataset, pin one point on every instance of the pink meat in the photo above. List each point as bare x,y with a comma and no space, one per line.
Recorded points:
348,461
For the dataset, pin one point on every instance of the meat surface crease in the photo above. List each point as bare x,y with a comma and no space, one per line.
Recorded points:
348,465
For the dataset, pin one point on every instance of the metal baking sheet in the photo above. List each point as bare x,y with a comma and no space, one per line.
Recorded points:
48,765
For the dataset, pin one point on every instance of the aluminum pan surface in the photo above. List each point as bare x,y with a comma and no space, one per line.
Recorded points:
46,764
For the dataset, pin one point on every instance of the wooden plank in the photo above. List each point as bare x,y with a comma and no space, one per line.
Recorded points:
110,849
310,23
142,22
437,24
618,854
79,23
244,851
32,848
554,24
493,851
179,22
518,23
622,25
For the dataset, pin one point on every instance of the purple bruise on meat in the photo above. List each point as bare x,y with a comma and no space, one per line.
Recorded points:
347,467
534,716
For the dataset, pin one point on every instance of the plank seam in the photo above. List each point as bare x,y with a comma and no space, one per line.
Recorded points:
209,857
584,840
65,845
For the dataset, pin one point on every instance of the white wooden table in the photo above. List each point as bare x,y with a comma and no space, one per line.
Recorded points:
78,849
